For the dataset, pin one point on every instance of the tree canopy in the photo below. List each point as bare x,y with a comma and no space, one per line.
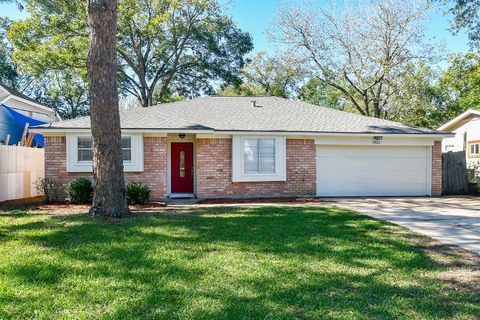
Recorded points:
361,50
162,45
317,92
367,57
277,75
460,85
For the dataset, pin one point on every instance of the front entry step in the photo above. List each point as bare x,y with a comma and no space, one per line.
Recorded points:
182,196
192,200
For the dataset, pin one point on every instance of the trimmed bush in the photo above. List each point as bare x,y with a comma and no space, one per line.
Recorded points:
52,190
79,190
137,193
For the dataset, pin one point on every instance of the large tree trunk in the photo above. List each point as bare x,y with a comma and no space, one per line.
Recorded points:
109,196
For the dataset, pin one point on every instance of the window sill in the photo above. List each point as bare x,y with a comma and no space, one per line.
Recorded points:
259,178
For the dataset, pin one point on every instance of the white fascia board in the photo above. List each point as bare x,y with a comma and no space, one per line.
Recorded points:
459,118
436,136
6,99
48,130
31,103
371,141
333,134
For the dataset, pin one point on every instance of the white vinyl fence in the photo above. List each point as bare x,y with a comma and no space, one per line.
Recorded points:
20,167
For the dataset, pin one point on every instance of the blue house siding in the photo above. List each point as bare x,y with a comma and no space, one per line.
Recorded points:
8,125
13,123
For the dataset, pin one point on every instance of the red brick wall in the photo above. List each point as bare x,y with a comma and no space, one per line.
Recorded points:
214,171
155,165
437,169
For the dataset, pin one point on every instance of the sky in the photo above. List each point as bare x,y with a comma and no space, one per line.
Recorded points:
255,16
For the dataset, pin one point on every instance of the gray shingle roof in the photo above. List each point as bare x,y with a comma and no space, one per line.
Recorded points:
237,114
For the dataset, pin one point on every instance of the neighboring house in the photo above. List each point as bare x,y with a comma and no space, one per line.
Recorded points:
216,147
16,109
466,128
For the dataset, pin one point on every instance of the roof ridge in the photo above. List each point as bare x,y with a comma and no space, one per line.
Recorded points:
249,96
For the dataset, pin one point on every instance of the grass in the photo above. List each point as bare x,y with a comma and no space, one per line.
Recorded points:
226,263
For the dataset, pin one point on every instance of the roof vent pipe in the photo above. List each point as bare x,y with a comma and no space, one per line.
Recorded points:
254,104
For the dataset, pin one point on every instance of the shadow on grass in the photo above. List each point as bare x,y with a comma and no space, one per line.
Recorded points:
278,263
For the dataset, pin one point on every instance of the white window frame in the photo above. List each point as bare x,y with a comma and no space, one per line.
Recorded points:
238,172
78,150
476,149
134,165
126,162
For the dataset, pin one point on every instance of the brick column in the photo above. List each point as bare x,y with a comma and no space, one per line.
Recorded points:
437,168
56,159
154,167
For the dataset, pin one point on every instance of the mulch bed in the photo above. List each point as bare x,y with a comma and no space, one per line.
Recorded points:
66,208
259,200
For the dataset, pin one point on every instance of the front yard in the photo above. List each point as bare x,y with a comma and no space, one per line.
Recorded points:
229,263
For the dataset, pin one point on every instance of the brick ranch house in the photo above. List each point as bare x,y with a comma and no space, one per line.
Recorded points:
217,147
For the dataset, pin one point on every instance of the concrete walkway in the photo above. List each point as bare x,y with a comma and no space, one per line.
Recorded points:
454,220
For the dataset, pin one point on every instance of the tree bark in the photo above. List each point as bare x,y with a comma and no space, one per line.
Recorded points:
109,191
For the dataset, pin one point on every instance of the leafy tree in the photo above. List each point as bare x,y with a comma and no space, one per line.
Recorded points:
419,100
60,90
460,85
360,50
429,98
9,74
268,75
162,45
242,89
109,199
315,91
167,96
67,94
418,97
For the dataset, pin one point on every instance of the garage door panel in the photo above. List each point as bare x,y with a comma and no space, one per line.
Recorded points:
376,164
375,177
376,190
372,152
370,171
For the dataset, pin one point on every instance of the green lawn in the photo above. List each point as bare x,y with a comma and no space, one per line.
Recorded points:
227,263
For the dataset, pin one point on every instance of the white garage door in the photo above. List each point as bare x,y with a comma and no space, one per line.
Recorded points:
373,171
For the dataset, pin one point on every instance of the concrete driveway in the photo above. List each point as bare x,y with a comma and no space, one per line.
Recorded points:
454,220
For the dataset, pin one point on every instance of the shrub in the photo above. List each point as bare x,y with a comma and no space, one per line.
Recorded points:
79,190
52,190
137,193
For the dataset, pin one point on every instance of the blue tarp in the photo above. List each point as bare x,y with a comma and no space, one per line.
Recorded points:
14,123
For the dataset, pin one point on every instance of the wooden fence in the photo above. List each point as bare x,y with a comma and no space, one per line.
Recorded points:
454,173
20,167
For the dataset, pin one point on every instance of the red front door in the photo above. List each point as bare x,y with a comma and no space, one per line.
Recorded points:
182,167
